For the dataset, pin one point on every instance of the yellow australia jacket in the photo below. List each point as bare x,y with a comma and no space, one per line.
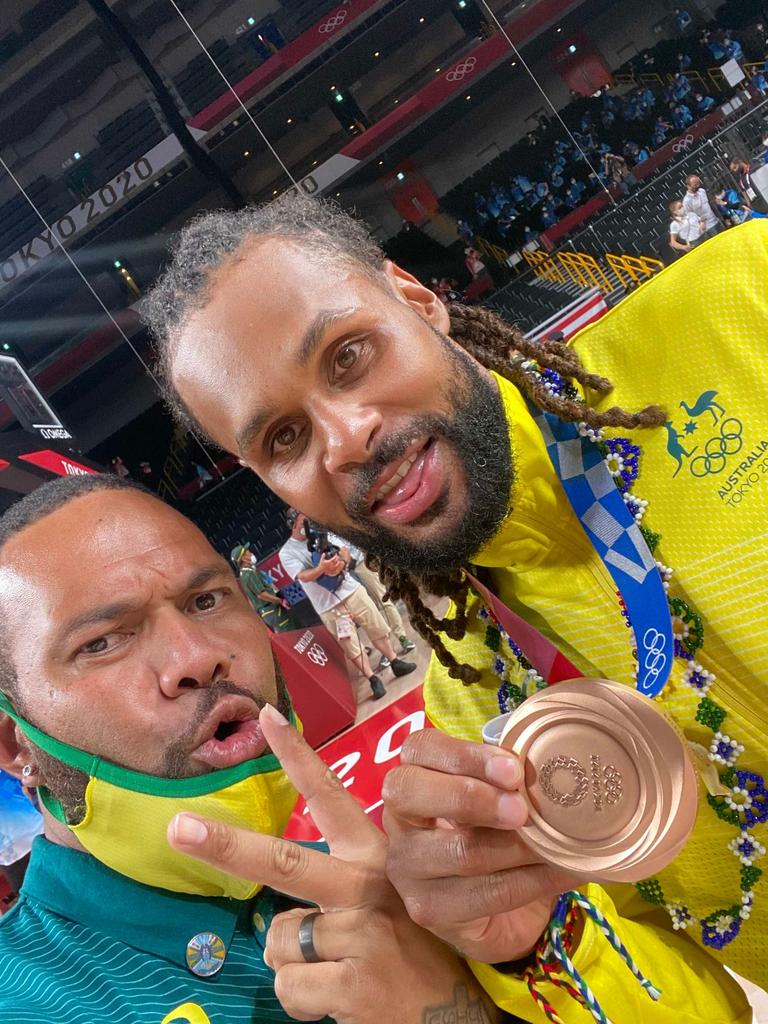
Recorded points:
694,341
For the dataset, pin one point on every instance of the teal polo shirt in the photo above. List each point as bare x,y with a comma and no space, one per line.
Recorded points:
85,945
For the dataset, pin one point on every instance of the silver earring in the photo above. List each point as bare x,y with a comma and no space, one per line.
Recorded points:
26,771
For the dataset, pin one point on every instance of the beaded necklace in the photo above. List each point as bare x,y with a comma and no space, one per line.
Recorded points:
741,799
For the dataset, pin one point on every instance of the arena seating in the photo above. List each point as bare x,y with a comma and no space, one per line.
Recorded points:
240,509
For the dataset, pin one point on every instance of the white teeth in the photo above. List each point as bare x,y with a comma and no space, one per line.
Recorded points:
393,481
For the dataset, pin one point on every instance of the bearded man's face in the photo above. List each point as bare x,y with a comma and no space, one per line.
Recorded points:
344,393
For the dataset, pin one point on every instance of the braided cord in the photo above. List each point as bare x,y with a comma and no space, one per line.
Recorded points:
553,954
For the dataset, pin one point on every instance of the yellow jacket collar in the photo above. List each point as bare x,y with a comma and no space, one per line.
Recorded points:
539,511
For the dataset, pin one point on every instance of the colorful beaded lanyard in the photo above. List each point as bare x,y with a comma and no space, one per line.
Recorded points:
742,799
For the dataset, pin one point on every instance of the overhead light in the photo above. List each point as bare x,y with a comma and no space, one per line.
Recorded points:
381,163
289,121
422,20
513,64
397,101
76,155
246,152
377,53
338,97
314,163
333,87
118,264
251,21
351,127
235,123
572,48
468,96
462,4
400,176
6,347
338,194
438,70
274,192
559,29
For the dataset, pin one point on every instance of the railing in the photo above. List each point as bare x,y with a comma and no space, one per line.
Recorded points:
708,77
543,266
636,268
585,271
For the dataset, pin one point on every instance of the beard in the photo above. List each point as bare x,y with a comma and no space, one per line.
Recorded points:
68,784
477,432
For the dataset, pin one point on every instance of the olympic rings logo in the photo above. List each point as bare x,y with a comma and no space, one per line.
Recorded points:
683,143
655,659
317,655
333,23
728,442
461,70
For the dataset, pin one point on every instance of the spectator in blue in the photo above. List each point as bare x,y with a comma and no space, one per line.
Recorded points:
548,215
643,154
648,97
703,103
481,208
733,47
542,190
760,82
465,230
681,116
683,19
681,87
684,61
716,47
731,207
524,182
578,187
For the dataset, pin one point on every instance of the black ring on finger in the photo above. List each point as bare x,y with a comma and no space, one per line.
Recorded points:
306,937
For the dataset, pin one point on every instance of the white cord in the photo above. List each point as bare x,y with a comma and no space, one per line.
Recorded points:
547,100
231,88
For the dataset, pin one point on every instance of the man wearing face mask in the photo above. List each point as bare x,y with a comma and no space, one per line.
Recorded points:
139,696
554,483
696,202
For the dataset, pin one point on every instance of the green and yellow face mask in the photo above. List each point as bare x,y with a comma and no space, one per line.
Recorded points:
127,813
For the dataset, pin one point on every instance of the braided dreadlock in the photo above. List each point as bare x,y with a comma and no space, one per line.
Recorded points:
500,347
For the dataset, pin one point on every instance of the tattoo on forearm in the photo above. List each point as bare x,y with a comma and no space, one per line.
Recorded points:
460,1011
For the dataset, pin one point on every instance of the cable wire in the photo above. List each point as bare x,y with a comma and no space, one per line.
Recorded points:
232,89
547,100
148,369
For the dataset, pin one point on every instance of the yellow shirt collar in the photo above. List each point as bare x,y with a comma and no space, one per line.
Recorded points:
539,511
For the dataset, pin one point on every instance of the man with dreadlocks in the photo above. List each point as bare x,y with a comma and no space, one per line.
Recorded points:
418,432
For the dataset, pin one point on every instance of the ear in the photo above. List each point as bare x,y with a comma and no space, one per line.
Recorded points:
15,753
410,290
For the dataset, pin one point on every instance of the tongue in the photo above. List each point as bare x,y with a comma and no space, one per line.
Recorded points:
407,486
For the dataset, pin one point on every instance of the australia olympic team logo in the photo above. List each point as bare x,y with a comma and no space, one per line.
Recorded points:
682,143
654,660
466,67
708,455
334,22
317,655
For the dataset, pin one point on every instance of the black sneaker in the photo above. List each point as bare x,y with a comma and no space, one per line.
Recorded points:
402,668
377,688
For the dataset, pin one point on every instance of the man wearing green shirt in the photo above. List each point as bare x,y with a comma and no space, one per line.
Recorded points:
138,689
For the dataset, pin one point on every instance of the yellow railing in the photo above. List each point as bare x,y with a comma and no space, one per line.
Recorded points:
709,76
584,270
494,252
544,266
636,268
